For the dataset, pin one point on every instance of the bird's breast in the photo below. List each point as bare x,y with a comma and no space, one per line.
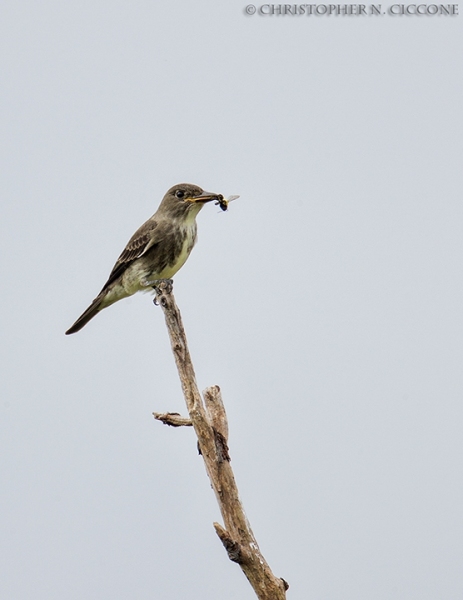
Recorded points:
162,260
182,247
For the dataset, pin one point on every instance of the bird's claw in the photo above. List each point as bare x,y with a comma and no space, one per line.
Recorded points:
160,286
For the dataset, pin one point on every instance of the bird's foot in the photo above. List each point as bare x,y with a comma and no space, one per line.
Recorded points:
160,286
154,283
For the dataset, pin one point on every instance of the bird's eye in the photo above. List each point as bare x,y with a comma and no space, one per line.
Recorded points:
179,193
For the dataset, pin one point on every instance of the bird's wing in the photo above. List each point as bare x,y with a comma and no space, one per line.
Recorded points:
146,236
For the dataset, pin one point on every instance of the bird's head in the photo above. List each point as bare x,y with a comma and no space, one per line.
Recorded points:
186,199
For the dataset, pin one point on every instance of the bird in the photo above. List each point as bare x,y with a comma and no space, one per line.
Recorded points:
156,251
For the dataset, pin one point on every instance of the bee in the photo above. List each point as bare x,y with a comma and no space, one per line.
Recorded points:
223,202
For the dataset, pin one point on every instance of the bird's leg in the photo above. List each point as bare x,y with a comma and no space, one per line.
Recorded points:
160,286
154,283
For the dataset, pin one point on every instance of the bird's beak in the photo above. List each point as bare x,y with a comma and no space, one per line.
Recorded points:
205,197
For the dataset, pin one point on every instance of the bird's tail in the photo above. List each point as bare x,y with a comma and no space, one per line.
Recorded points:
85,317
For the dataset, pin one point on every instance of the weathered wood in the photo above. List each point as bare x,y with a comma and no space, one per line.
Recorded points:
210,424
173,419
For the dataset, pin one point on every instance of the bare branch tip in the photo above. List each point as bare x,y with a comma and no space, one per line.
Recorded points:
173,419
216,410
233,548
212,389
285,584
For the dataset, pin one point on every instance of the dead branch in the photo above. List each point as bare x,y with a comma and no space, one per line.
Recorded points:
210,424
173,419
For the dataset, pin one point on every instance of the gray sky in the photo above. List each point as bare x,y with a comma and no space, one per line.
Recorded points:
327,303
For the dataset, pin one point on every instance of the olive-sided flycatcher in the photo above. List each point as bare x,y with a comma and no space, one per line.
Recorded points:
157,250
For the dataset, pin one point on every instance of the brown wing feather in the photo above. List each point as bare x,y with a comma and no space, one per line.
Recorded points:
144,238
